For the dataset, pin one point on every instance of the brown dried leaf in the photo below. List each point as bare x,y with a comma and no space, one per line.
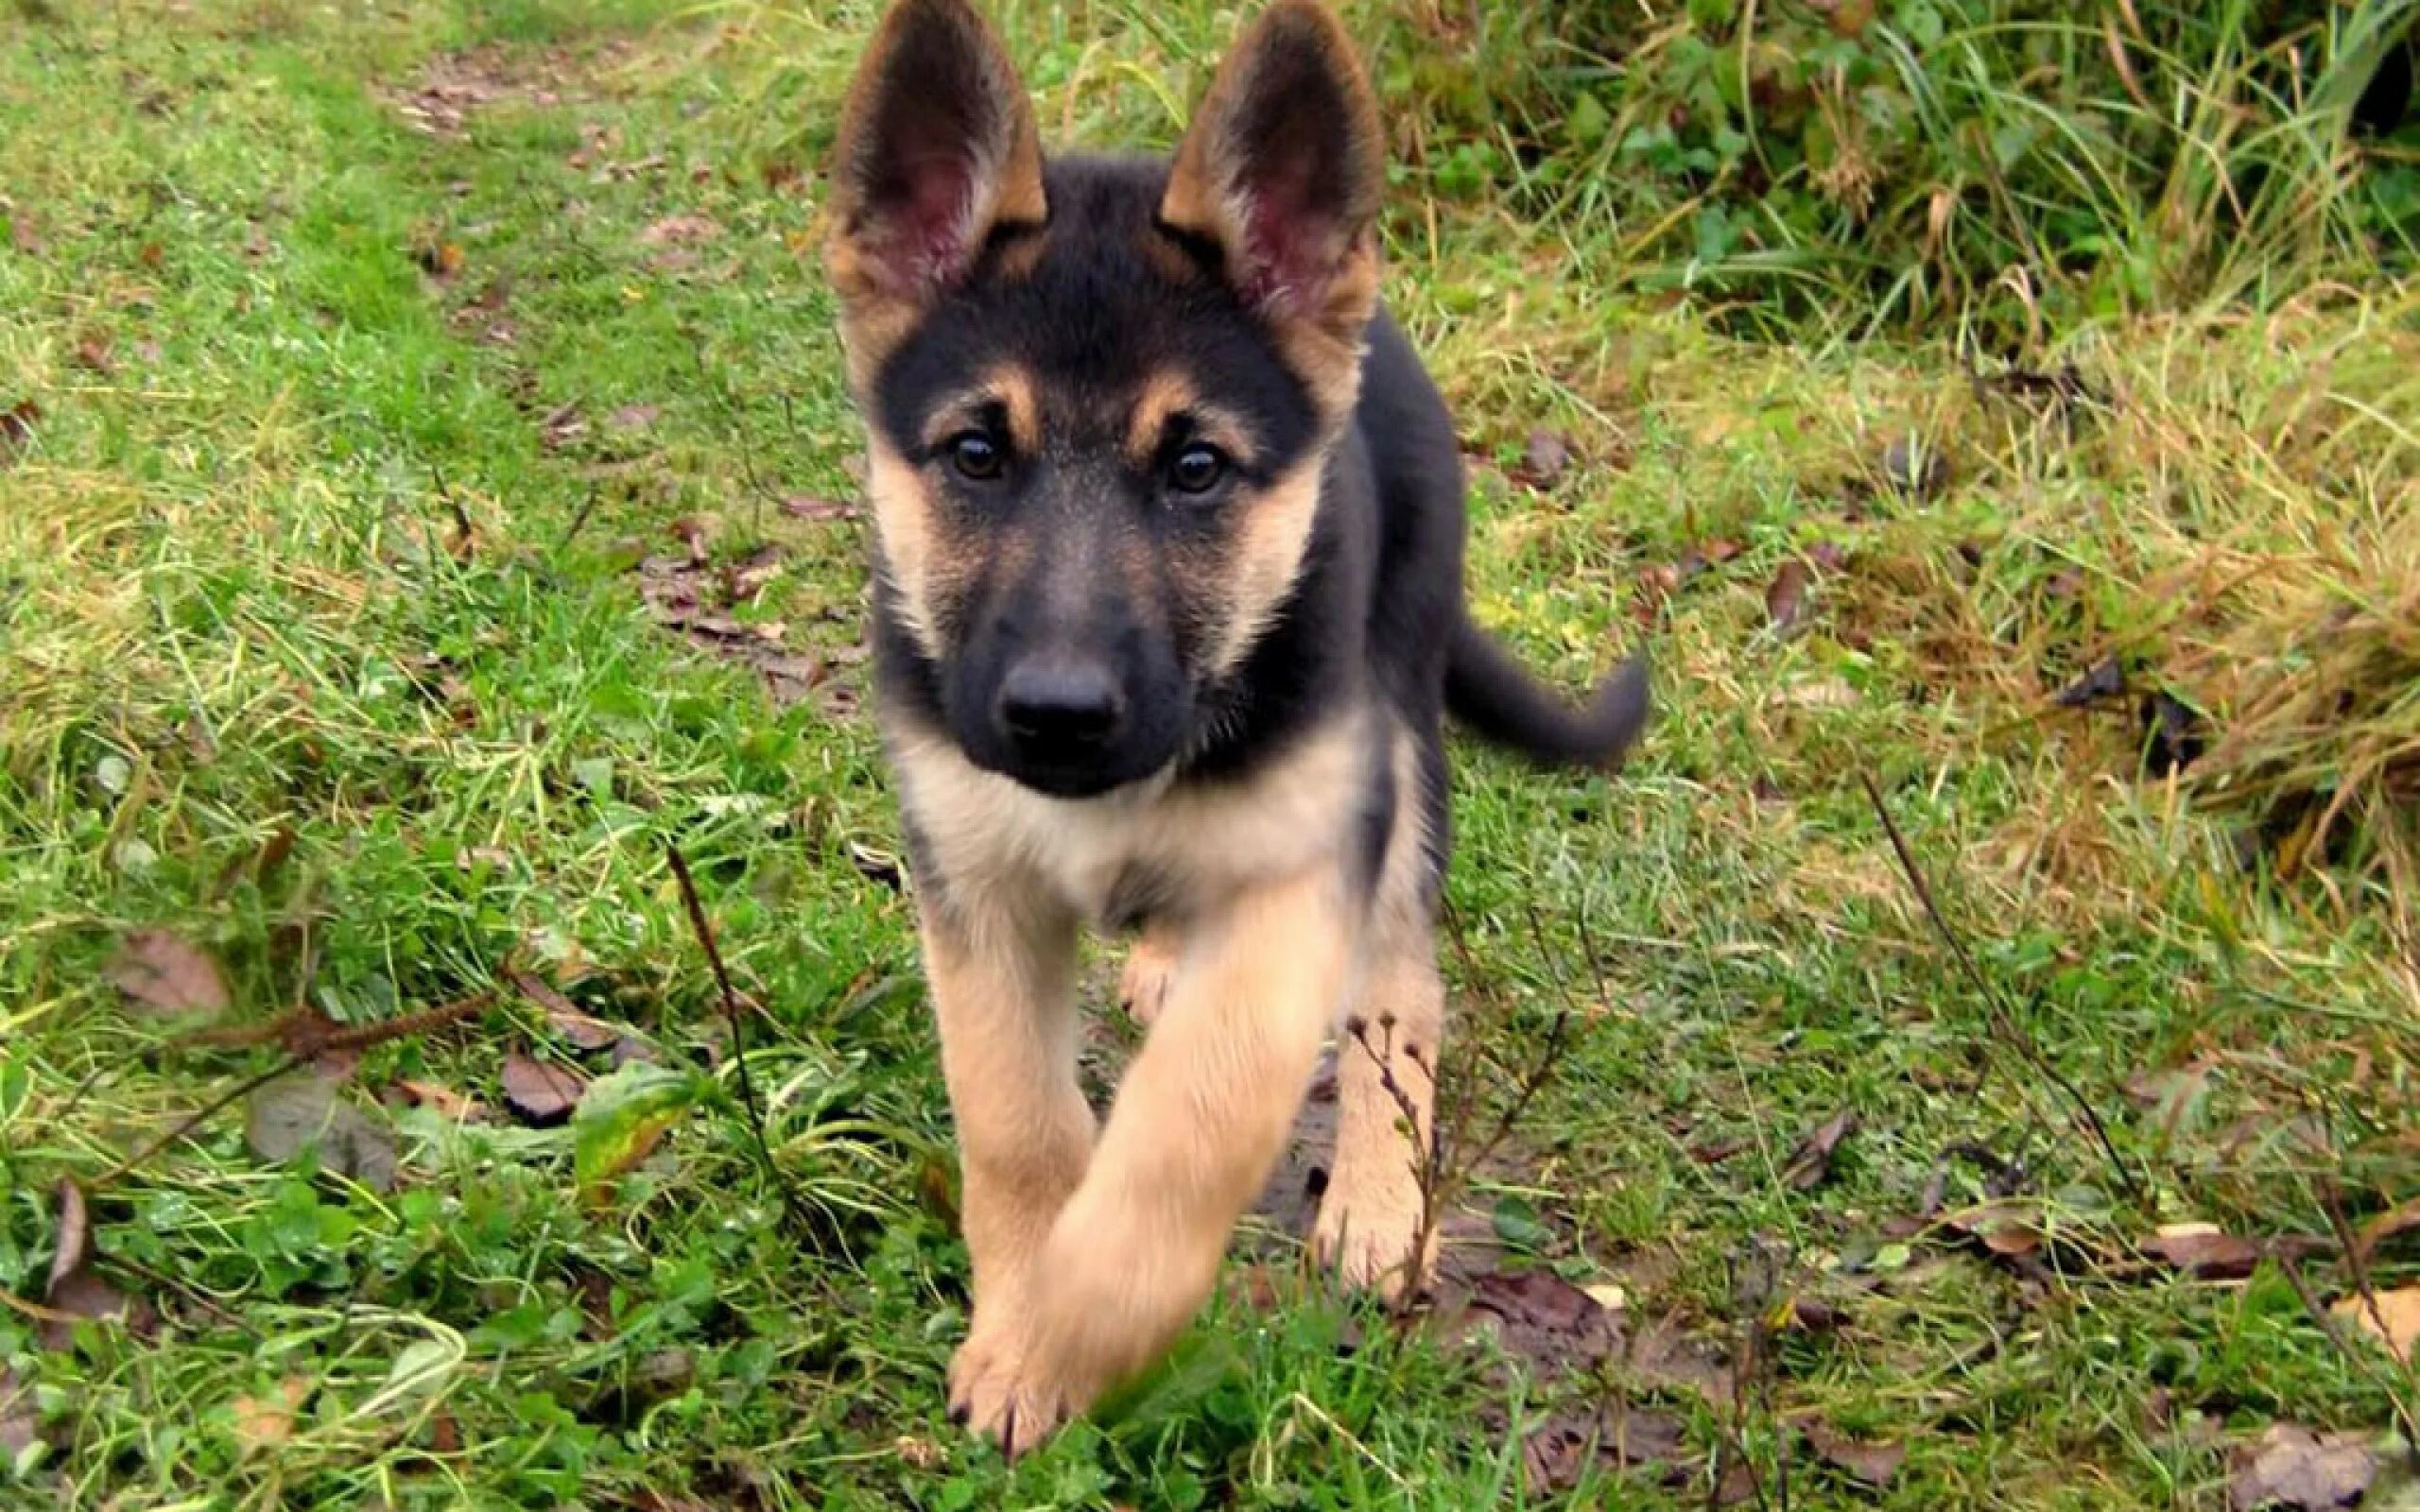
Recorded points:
74,1289
2289,1468
634,417
807,507
161,972
2385,1226
2395,1320
1545,458
1876,1464
446,1100
575,1028
1555,1455
1785,599
1811,1162
17,427
681,230
92,353
267,1421
539,1091
301,1112
20,1418
2202,1250
562,425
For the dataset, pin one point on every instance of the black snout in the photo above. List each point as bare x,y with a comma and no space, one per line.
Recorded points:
1058,711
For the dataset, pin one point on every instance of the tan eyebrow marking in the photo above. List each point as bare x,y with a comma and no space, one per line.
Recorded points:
1008,387
1166,395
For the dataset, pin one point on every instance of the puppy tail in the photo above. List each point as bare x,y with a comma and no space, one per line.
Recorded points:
1493,693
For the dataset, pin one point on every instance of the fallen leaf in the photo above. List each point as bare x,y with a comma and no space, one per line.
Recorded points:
20,1418
560,426
1827,555
620,1118
574,1027
1915,467
2290,1468
2385,1226
17,427
808,507
303,1112
1875,1465
2395,1321
1555,1455
1541,1316
267,1421
2107,679
92,353
158,970
634,417
1811,1162
540,1092
2203,1250
446,1100
74,1289
1545,458
1711,552
2171,734
1786,599
1608,1296
439,259
679,230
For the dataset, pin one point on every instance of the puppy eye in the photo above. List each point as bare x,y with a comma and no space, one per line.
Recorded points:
976,456
1197,469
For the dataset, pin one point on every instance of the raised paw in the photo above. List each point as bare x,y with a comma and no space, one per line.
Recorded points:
996,1390
1143,987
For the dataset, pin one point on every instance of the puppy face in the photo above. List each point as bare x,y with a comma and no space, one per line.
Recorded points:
1099,394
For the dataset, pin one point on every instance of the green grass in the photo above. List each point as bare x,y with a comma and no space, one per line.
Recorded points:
250,690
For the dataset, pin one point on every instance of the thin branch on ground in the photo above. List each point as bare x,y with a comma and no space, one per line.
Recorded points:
2004,1023
730,1008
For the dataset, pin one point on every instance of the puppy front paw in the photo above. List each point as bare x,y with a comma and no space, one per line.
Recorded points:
1002,1388
1368,1232
1143,986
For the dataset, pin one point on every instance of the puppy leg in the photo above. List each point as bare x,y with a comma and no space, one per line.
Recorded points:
1204,1112
1151,967
1370,1220
1002,978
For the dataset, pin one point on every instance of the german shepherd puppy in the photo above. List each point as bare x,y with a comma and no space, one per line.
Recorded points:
1168,612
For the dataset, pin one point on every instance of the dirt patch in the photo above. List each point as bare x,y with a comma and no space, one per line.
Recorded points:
455,87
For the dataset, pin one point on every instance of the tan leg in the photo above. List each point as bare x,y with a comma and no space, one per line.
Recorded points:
1372,1218
1003,991
1201,1118
1150,967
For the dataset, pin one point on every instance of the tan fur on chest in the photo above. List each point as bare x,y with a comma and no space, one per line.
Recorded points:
1195,842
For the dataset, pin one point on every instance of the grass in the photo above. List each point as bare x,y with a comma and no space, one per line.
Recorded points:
259,687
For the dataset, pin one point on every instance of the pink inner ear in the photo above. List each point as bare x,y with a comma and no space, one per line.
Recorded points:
1290,243
924,221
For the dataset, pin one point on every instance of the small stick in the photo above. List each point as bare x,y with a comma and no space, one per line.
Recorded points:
2001,1020
739,1033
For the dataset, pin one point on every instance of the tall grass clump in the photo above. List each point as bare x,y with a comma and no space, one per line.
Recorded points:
2018,163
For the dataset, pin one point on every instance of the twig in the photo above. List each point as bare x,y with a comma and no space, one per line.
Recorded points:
463,535
194,1121
587,507
738,1032
2360,1358
2001,1020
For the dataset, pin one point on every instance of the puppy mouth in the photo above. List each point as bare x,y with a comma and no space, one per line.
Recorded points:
1072,780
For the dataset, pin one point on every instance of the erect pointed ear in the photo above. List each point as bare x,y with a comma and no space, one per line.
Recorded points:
1282,171
937,150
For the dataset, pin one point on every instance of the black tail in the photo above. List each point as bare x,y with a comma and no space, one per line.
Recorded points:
1494,694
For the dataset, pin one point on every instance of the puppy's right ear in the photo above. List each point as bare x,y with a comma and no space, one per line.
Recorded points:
936,152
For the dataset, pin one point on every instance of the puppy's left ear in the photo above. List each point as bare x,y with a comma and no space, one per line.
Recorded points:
1282,171
936,152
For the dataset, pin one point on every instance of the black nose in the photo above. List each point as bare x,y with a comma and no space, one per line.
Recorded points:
1057,709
